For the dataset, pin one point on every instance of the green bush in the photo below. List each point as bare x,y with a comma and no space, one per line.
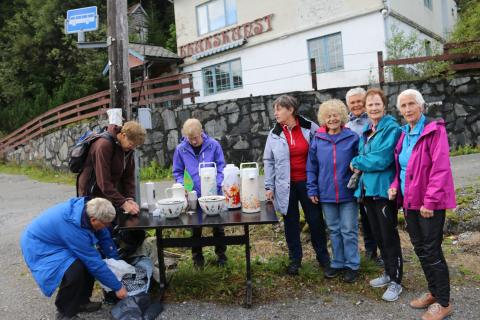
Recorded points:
155,172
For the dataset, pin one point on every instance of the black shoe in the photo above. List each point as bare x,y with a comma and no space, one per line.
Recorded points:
110,297
221,260
61,316
293,268
331,273
350,275
90,307
371,255
198,261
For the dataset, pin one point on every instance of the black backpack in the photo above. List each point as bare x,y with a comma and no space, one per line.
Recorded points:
78,153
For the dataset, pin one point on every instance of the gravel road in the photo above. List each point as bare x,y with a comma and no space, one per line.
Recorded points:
22,199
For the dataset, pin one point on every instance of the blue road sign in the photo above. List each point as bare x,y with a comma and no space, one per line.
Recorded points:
81,19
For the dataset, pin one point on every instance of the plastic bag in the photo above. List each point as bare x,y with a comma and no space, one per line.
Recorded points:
119,268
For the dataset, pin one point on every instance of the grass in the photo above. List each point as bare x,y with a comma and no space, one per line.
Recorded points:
462,150
39,173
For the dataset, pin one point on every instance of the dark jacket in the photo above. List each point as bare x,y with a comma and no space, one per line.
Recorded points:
328,166
114,171
59,236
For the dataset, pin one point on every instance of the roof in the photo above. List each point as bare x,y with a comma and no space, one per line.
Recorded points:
146,50
135,7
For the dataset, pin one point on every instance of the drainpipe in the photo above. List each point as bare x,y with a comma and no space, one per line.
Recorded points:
386,27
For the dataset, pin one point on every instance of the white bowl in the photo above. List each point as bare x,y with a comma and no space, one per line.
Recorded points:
170,207
212,205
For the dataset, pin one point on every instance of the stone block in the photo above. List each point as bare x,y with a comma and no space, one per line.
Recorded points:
172,140
183,115
216,128
459,81
169,122
63,152
233,118
257,107
228,108
460,110
242,127
157,137
241,145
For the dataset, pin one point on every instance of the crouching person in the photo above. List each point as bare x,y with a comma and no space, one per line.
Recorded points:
59,248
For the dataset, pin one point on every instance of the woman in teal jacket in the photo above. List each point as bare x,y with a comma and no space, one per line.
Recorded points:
376,162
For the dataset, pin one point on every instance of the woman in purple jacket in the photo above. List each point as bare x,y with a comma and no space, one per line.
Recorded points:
331,150
423,186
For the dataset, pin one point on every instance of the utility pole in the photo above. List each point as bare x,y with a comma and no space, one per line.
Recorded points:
117,33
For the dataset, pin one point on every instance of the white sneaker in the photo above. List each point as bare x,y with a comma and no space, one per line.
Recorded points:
393,291
381,281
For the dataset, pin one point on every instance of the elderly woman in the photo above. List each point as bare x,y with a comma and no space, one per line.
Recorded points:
196,147
424,188
331,150
376,162
285,161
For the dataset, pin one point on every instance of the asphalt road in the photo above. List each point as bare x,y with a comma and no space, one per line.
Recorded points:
21,199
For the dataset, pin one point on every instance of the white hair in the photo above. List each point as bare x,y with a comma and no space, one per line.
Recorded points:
354,91
101,209
415,94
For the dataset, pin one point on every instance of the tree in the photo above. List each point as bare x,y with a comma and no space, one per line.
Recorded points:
467,27
401,45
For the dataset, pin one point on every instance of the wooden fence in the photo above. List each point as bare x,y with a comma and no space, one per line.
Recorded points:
148,92
461,61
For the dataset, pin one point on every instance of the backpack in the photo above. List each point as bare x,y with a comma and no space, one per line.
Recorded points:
78,153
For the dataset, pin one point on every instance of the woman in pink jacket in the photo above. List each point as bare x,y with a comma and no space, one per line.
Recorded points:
423,186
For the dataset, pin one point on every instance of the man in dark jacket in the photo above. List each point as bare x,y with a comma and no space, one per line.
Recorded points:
197,147
109,170
59,249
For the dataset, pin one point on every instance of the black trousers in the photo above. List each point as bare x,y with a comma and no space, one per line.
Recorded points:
382,215
426,235
219,250
75,289
368,238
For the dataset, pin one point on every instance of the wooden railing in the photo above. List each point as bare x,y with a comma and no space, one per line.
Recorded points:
148,92
458,59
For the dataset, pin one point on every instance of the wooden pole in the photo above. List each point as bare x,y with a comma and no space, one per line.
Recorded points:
119,75
381,75
313,71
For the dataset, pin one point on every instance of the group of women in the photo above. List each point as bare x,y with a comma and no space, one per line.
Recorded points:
332,171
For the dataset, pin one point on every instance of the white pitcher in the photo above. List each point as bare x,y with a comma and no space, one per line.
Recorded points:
177,191
208,178
249,193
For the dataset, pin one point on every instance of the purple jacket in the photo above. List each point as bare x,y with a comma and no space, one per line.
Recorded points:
429,180
185,158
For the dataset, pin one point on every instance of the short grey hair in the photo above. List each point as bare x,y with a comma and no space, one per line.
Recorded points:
354,91
101,209
416,95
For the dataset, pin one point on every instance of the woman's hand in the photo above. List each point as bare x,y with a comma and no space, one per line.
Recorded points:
353,169
269,195
426,213
314,199
392,193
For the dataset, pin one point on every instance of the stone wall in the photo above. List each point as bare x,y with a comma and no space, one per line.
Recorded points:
242,125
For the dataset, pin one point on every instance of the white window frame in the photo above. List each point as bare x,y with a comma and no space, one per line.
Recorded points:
326,64
209,27
211,68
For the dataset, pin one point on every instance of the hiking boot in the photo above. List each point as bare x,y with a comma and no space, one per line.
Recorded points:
90,307
198,262
330,273
293,268
61,316
437,312
381,281
393,291
423,302
221,260
350,275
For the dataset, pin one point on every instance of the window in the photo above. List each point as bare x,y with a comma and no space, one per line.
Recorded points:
327,51
428,4
428,48
222,77
215,15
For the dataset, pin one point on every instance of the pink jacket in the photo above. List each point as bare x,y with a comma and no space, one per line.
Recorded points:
429,180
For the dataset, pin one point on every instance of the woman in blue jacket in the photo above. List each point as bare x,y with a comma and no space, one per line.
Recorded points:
331,150
59,249
376,162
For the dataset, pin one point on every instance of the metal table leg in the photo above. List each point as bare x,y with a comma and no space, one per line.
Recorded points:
248,298
161,262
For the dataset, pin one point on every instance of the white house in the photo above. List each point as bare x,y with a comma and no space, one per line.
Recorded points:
239,48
